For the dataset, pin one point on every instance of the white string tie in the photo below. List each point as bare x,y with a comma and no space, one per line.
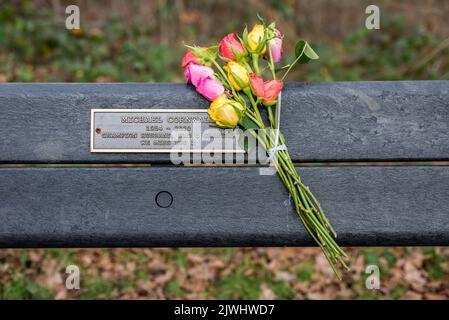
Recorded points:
272,151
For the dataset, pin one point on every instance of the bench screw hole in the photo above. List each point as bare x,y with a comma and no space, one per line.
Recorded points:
164,199
98,130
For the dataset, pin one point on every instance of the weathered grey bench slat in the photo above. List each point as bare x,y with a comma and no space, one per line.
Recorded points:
218,206
350,121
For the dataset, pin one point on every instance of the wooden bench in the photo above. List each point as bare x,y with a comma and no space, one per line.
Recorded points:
55,193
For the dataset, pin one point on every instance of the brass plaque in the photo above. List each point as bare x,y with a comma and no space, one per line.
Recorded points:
159,131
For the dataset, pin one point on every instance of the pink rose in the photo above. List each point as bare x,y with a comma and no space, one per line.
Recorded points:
194,72
276,47
210,88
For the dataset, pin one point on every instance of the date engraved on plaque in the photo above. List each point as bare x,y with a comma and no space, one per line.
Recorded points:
159,131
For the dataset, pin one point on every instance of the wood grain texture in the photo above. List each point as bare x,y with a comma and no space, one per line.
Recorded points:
346,121
218,206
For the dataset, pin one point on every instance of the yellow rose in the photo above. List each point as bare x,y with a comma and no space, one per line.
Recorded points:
223,111
237,75
256,41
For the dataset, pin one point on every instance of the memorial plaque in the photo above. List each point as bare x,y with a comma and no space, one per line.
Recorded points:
159,131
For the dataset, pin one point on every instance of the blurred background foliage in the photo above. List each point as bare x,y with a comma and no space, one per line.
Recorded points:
126,41
142,41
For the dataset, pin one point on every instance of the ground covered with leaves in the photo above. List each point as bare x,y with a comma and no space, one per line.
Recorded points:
222,273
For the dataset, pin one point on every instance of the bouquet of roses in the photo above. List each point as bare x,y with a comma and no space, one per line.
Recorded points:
231,76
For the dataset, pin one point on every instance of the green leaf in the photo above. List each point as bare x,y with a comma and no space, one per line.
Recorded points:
244,141
304,52
247,123
196,51
261,20
245,37
212,48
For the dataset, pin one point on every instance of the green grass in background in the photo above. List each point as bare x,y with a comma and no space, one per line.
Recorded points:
33,47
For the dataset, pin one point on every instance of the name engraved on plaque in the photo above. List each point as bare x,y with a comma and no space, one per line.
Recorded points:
159,131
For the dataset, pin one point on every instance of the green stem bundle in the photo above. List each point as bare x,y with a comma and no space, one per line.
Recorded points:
306,205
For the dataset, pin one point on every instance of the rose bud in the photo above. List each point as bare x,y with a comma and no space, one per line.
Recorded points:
272,89
256,83
237,74
268,91
225,112
210,88
256,39
275,46
194,72
189,57
230,47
